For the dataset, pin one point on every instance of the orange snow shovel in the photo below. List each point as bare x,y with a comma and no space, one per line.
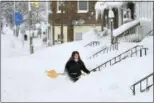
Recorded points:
53,74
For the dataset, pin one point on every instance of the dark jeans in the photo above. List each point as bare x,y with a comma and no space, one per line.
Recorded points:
74,77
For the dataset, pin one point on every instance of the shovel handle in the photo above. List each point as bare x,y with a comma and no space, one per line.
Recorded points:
61,73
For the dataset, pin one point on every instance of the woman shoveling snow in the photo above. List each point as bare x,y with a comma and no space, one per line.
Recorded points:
74,66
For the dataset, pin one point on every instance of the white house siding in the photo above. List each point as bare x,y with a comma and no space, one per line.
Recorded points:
77,30
58,31
144,12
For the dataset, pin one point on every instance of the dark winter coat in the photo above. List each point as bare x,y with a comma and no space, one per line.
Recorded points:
74,68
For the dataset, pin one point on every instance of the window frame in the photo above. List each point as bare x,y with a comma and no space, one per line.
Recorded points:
82,11
58,6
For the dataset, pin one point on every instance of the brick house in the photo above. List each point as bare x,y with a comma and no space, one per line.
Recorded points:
73,11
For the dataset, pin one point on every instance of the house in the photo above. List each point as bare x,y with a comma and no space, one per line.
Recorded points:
126,13
77,16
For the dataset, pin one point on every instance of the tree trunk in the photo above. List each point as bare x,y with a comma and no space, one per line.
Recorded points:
31,45
30,35
70,33
62,38
53,26
70,11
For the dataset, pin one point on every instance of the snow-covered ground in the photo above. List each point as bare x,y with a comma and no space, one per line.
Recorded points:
13,46
24,76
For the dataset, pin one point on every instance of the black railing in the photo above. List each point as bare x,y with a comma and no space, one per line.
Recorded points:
93,43
130,30
124,34
148,34
106,50
123,56
140,82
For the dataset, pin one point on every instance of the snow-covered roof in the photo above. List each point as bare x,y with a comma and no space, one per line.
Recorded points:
101,5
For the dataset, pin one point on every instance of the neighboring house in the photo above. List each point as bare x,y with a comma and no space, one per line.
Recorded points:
125,12
83,11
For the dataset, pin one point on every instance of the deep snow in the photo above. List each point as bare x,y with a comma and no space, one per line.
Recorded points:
24,76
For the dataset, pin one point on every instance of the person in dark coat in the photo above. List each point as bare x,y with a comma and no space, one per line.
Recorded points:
74,66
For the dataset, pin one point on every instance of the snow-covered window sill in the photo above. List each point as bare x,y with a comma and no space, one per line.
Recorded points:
59,11
82,11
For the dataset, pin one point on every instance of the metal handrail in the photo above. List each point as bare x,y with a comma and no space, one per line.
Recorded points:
132,87
111,47
149,32
120,56
128,29
92,43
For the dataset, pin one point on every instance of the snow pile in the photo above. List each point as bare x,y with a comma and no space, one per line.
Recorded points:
141,97
104,33
125,27
13,46
9,43
131,38
91,35
109,88
126,20
25,79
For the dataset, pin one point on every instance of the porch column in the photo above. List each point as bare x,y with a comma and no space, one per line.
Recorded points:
102,21
120,17
116,19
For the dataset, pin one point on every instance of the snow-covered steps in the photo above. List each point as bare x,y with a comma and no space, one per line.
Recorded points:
93,43
91,63
125,27
135,37
138,49
105,49
145,80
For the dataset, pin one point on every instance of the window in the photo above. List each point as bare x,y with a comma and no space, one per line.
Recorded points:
83,6
58,6
59,2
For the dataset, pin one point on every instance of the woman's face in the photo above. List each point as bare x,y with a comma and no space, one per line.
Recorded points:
76,56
